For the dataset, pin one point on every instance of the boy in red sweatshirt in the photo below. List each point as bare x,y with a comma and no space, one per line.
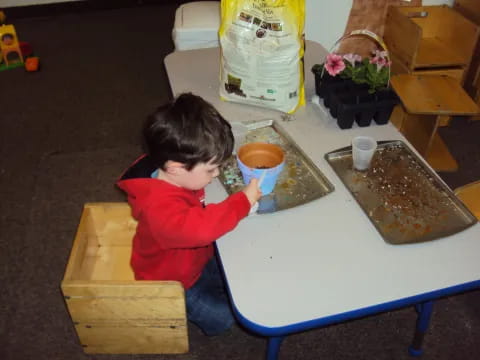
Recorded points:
186,142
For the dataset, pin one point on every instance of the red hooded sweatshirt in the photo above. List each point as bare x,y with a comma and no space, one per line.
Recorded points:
175,229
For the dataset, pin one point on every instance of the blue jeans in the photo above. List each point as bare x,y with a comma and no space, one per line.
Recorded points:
208,306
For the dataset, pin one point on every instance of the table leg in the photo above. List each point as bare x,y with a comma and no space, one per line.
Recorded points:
274,347
424,311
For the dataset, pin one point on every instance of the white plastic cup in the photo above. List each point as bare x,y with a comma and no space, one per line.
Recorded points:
363,148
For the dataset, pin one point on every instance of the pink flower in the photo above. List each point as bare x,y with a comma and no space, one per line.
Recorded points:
352,58
334,64
380,59
380,62
379,54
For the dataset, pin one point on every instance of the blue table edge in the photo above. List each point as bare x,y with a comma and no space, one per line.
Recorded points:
349,315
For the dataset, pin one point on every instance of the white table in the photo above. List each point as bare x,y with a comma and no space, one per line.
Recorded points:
323,262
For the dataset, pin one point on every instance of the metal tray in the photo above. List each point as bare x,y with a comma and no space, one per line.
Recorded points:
300,181
405,200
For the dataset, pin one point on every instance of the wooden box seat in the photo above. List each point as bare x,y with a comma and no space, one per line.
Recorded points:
112,312
470,196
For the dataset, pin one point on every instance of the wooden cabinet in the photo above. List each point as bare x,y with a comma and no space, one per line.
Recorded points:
471,10
430,37
468,8
430,40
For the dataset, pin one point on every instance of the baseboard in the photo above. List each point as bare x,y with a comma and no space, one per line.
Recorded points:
51,9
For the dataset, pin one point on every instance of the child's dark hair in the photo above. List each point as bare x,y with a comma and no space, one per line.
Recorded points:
188,130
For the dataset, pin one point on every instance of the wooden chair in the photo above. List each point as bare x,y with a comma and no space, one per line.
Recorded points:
470,196
112,312
426,100
430,40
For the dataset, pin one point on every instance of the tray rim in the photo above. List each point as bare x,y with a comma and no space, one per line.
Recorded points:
327,185
438,181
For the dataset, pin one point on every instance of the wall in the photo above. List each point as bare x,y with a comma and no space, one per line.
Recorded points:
325,20
10,3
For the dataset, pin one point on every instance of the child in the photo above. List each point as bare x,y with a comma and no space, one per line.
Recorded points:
186,141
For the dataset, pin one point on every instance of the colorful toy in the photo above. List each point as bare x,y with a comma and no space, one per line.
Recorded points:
26,49
15,53
32,63
9,46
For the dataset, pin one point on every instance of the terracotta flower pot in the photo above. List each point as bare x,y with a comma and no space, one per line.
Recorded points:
261,155
261,160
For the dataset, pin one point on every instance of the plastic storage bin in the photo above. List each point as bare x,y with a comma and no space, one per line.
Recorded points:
196,25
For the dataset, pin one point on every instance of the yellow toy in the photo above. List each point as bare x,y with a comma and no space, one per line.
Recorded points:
9,46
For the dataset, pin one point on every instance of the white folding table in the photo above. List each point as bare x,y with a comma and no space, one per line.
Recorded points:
322,262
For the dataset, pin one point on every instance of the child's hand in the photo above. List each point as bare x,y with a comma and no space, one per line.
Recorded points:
252,191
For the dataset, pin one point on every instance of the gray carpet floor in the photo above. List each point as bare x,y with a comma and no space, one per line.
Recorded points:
66,134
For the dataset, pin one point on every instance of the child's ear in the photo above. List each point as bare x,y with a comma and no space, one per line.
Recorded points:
174,167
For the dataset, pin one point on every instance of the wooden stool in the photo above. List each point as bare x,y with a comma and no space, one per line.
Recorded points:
427,99
112,312
470,196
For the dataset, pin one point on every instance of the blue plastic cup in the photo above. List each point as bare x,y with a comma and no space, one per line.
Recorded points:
261,160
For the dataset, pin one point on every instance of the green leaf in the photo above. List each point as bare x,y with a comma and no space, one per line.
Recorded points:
317,69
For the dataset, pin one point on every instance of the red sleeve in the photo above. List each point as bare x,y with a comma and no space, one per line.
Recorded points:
182,226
